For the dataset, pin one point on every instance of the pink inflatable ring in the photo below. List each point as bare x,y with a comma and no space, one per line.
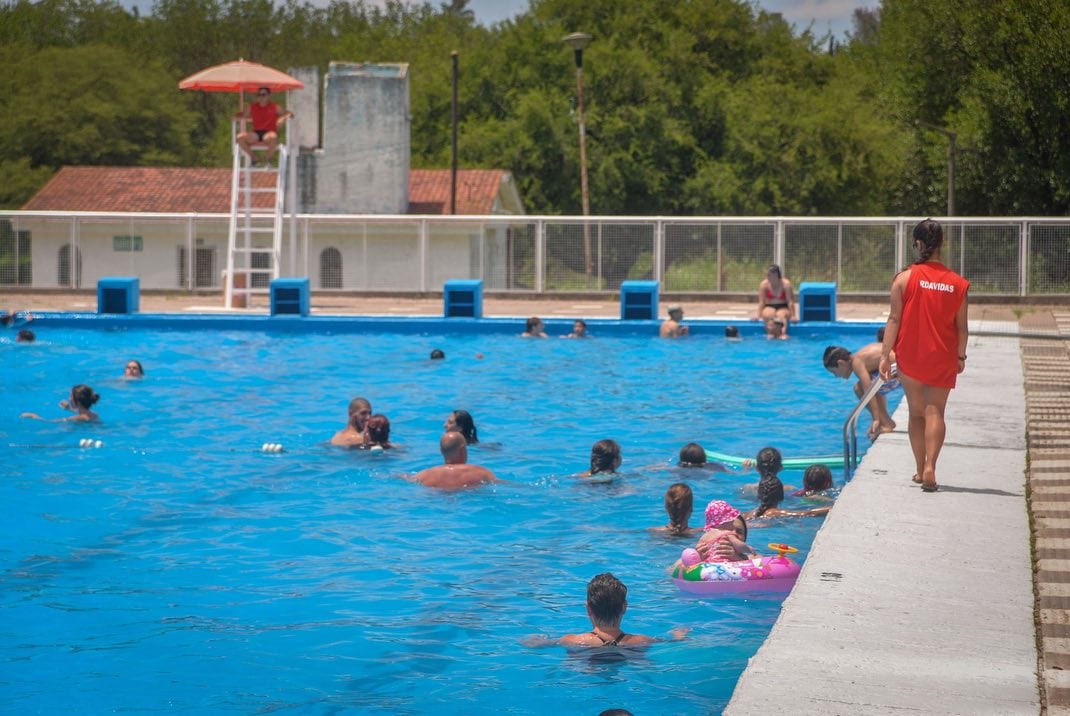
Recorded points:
759,574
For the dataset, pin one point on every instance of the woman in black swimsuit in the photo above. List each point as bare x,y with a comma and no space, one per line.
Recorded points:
607,600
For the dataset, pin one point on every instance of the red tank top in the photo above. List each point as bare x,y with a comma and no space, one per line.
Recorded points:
265,119
926,348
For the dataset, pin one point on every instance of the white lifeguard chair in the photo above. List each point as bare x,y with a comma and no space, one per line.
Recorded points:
259,196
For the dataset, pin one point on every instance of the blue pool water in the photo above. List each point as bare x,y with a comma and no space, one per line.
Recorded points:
180,569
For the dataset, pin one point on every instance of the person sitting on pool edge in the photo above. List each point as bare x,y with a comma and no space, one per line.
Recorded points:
534,328
679,502
672,327
82,398
863,363
607,601
352,435
460,421
605,458
455,473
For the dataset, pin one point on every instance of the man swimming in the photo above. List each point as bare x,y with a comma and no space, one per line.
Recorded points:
455,472
352,435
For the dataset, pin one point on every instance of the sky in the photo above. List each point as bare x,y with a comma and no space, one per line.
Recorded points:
826,15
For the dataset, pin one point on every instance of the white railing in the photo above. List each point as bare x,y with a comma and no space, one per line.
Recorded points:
1005,256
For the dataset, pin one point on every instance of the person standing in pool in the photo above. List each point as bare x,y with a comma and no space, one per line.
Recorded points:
133,370
864,364
672,326
81,399
579,329
607,601
455,472
352,435
927,328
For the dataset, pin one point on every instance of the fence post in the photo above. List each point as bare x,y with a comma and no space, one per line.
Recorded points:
540,238
778,245
1023,258
659,251
423,255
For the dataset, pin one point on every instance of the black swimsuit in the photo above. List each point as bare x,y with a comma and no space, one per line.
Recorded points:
612,642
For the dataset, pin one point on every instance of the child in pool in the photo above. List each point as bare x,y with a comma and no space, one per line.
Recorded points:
817,481
724,539
771,489
82,398
679,501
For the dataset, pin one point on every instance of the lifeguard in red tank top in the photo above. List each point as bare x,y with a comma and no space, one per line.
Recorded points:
928,351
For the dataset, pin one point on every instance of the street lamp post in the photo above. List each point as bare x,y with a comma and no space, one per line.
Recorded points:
577,41
951,149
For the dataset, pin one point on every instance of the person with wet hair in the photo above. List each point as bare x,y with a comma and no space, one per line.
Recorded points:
377,433
579,329
81,399
133,370
928,330
607,601
776,303
437,354
605,458
771,489
460,421
25,335
679,503
673,326
352,435
817,480
534,328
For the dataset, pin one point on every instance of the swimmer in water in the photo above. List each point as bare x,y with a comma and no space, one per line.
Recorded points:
377,433
607,601
460,421
82,398
679,502
352,435
534,328
605,458
455,472
133,369
771,489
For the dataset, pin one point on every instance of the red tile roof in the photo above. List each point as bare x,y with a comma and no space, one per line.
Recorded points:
193,189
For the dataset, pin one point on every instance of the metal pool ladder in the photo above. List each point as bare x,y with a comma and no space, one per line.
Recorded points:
850,432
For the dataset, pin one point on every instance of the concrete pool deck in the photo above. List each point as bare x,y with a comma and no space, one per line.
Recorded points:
909,602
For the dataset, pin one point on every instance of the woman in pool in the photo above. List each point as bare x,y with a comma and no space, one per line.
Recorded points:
776,303
605,458
694,455
771,489
460,421
82,398
534,328
133,369
679,502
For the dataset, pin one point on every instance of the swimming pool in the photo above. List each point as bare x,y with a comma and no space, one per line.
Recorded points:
179,568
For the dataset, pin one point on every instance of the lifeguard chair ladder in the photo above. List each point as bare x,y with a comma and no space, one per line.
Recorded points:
257,201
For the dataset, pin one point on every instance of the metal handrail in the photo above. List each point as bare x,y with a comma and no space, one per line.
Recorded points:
850,432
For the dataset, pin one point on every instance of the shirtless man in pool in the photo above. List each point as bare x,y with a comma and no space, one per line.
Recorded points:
455,473
352,435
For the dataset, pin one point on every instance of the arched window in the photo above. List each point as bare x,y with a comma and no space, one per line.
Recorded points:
63,271
331,268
